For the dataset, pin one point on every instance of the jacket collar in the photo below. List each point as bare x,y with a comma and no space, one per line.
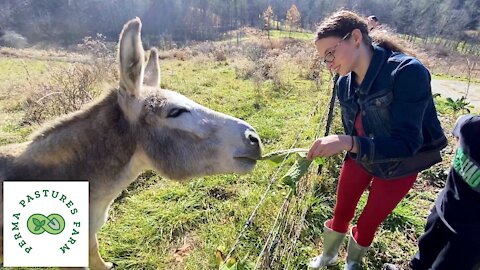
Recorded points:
376,64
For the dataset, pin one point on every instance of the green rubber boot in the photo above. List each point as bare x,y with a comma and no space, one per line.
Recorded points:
332,241
355,252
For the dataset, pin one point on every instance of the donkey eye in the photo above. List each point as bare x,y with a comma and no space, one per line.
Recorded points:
176,112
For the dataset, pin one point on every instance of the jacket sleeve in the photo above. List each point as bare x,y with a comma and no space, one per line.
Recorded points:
411,94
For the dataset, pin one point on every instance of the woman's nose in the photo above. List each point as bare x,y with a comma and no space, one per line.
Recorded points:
330,65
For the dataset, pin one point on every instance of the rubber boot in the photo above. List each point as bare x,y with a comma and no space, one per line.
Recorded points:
355,252
332,241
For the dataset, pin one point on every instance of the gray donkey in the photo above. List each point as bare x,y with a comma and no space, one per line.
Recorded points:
134,127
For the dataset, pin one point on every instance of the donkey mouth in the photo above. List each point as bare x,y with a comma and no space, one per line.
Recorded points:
249,161
252,155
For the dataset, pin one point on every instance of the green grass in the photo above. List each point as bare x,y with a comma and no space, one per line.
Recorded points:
156,217
17,76
463,47
13,132
293,34
455,78
20,68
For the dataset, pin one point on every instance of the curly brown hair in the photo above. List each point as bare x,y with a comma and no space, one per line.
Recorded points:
343,22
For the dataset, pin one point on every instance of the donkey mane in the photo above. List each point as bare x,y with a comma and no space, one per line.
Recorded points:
93,109
101,130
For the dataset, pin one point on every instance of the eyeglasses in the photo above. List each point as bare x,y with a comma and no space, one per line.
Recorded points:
330,56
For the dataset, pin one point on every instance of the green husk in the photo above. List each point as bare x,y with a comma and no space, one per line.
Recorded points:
298,169
295,173
278,156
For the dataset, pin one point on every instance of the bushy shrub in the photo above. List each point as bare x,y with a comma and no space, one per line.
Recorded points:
204,47
244,68
13,40
96,45
315,68
162,55
255,51
182,54
68,90
219,55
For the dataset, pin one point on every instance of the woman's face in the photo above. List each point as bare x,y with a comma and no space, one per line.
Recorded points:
337,53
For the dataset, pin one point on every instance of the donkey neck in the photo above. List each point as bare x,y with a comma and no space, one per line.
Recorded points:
95,143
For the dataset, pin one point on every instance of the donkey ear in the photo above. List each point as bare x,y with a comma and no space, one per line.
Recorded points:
131,56
152,70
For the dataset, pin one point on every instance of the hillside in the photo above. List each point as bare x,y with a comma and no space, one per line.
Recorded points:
277,86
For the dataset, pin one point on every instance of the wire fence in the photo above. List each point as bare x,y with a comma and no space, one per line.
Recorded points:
291,216
280,244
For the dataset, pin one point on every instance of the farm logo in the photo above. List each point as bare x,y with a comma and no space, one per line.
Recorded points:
45,224
38,224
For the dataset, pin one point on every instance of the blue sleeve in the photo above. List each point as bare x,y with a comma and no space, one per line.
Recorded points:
411,94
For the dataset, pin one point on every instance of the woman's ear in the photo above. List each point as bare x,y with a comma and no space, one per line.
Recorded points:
357,37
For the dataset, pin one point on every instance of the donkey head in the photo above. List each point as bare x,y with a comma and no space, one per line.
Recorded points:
178,137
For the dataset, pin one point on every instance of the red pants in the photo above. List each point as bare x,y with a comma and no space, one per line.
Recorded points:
383,198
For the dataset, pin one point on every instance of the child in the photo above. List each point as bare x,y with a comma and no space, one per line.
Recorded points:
452,239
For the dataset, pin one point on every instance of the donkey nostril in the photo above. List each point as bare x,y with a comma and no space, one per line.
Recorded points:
253,139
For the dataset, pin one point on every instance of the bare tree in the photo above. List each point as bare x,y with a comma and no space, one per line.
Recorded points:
267,19
293,17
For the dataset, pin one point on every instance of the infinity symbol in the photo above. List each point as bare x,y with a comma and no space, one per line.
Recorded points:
38,224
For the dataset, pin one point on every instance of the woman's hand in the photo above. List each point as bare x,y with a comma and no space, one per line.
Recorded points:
330,145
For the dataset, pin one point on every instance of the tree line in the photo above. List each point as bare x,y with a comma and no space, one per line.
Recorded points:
68,21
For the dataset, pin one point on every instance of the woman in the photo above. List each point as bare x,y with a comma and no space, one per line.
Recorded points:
392,130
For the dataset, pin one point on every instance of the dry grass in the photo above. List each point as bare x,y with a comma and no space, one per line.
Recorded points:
455,64
46,55
444,61
54,82
67,91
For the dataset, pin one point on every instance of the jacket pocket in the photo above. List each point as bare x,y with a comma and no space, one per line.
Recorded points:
377,113
348,116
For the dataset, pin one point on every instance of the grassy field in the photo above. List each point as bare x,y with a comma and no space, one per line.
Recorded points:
15,77
293,34
161,224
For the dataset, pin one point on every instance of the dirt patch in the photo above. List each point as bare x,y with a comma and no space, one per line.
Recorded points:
183,250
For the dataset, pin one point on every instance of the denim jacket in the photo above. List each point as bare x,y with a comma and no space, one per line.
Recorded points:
403,133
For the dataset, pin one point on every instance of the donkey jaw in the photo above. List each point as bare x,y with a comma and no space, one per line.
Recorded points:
245,164
246,160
